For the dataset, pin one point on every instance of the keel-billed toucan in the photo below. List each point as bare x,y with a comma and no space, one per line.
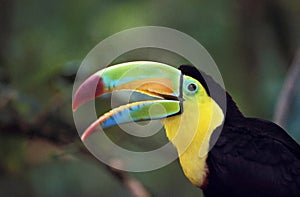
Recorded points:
251,157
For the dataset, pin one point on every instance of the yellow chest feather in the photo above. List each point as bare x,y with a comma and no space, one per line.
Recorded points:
190,133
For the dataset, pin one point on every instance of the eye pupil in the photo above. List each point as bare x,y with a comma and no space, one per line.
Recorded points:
192,87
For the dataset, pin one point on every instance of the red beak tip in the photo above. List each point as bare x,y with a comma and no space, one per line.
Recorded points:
84,93
74,107
83,138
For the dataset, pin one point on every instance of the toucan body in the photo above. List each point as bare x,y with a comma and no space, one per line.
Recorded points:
220,150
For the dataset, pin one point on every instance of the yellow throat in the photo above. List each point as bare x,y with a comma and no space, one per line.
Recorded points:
190,133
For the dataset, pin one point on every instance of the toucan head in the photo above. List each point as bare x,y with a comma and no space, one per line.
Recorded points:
190,114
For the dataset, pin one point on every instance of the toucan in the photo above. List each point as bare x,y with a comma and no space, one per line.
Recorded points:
220,150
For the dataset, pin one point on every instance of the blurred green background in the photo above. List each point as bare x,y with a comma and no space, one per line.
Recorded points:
42,44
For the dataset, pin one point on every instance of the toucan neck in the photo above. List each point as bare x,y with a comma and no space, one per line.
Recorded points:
190,133
232,111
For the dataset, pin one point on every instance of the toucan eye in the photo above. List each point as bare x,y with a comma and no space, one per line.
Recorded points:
192,87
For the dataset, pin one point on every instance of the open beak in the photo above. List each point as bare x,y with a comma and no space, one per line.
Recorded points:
157,80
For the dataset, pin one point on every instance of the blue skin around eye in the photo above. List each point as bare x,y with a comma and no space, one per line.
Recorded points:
185,86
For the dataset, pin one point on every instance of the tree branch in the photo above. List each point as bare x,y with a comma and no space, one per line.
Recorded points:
133,186
287,93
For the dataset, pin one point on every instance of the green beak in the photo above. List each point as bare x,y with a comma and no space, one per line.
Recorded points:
157,80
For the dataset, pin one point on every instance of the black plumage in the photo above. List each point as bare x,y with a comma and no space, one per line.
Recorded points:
248,156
